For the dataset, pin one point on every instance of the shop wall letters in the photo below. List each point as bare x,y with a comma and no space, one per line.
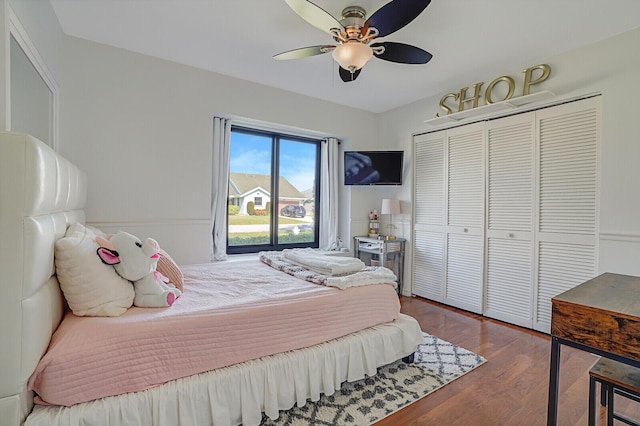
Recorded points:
543,70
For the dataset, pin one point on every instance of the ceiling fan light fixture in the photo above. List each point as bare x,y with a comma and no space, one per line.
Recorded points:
353,34
352,55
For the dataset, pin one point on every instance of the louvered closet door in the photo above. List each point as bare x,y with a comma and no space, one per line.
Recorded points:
429,216
465,217
510,200
567,229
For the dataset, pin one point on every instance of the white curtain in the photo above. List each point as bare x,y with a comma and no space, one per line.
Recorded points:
219,187
330,178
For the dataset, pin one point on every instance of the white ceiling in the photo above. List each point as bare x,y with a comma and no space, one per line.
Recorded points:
469,40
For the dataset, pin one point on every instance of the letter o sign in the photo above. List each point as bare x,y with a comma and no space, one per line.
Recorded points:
510,82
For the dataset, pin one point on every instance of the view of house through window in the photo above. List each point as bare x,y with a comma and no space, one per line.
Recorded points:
273,188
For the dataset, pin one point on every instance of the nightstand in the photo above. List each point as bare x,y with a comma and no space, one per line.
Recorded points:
382,252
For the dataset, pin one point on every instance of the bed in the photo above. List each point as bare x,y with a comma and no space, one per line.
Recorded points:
41,195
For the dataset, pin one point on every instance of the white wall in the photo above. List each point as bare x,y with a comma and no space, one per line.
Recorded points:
607,67
142,128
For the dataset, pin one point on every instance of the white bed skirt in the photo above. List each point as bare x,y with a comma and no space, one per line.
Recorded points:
240,393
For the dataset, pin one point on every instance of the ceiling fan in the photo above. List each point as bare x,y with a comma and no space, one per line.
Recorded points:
353,35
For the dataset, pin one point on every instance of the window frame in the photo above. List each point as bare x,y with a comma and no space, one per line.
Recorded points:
273,245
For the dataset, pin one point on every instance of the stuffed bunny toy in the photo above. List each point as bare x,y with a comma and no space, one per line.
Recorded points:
136,261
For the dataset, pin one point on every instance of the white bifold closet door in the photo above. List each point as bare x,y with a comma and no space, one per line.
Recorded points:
464,244
510,219
505,212
567,202
429,218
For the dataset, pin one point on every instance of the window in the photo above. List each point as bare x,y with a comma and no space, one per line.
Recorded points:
273,187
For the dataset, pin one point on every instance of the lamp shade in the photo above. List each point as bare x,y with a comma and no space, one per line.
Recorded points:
352,55
390,206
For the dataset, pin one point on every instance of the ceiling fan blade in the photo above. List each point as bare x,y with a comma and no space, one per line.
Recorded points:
403,53
315,15
346,75
303,52
395,15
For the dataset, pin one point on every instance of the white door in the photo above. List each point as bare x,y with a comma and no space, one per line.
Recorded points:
465,217
567,201
429,218
510,215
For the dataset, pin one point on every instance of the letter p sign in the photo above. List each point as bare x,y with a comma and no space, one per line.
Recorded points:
545,71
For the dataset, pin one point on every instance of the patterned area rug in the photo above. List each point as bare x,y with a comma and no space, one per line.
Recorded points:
397,385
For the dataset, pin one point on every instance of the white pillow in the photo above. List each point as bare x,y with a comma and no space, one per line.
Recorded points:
90,287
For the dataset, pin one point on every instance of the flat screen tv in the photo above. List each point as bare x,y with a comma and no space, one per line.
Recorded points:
373,167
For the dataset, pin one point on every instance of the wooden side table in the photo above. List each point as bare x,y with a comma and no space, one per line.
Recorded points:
601,316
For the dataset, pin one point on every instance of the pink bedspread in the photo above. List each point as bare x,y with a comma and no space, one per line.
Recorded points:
230,312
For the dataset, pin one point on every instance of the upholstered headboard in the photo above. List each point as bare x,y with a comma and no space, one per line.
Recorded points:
40,194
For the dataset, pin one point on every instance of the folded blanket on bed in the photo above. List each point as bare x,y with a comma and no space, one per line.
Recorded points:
321,264
375,275
367,276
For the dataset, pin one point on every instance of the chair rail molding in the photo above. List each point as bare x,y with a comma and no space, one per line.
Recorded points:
619,236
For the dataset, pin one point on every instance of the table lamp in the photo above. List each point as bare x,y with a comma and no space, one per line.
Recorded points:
390,207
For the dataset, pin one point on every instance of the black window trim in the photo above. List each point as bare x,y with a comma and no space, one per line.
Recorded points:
273,245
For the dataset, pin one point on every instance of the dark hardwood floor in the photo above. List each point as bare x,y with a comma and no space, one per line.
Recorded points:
511,388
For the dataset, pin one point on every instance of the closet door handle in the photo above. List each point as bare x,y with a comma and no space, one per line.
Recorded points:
510,235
